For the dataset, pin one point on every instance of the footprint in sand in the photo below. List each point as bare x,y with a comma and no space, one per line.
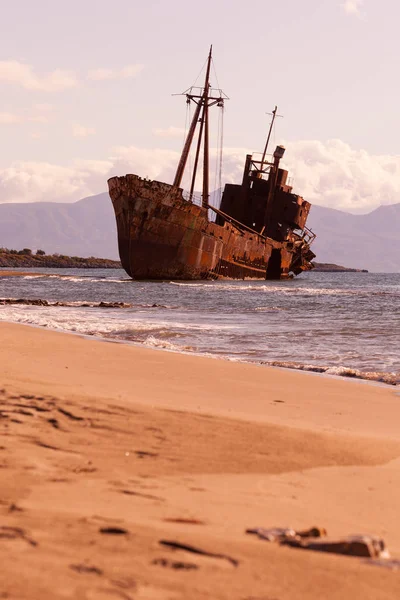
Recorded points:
183,521
145,454
15,533
86,569
200,551
106,594
142,495
174,564
113,530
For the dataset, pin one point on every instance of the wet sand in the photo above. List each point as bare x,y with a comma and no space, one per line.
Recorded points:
109,449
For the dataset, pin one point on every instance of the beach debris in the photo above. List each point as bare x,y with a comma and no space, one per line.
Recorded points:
187,548
113,530
315,538
275,534
352,545
312,532
280,534
174,564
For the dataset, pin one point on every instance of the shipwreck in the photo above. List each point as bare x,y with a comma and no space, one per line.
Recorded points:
257,232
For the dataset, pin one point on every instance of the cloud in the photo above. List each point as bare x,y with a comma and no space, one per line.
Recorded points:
169,132
327,173
32,181
153,163
44,107
22,74
7,118
18,73
81,131
352,7
333,174
38,119
126,72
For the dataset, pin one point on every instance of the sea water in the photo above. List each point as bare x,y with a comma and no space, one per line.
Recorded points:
340,323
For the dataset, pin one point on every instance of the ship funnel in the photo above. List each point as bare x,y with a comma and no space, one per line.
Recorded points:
279,152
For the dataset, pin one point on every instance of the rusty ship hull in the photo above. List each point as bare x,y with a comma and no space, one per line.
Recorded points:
163,236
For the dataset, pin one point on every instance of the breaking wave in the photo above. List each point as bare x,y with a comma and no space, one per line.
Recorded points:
268,308
155,342
340,371
294,290
76,279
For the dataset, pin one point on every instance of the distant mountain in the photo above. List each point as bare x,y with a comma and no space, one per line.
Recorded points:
83,228
87,228
369,241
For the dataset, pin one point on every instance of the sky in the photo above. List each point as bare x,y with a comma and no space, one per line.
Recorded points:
86,92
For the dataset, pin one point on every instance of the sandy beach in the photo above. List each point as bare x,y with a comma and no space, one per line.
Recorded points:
109,450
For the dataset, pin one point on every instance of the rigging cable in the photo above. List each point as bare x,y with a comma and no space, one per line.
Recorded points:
217,153
216,76
189,108
220,142
201,71
221,151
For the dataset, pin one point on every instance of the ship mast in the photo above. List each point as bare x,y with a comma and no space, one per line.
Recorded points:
267,142
206,140
203,101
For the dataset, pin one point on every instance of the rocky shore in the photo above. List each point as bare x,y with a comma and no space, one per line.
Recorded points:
26,259
332,268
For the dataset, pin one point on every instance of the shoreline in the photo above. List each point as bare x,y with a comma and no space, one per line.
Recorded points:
254,371
349,373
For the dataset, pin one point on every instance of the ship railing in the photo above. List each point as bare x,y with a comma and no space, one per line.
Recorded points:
308,236
194,198
197,199
237,224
